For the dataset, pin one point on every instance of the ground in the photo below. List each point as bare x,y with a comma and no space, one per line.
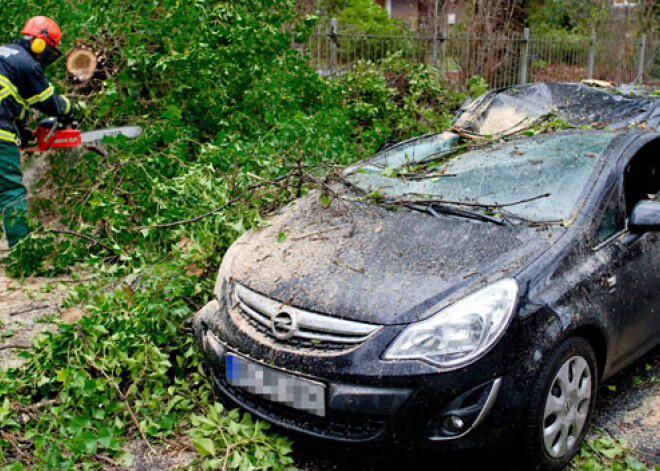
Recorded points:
628,406
25,310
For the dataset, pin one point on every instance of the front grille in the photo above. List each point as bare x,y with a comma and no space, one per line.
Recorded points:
295,327
344,427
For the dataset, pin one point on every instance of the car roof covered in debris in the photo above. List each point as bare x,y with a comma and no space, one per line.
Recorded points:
509,110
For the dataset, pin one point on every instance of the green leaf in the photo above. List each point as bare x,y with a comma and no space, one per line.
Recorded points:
124,458
89,439
204,446
634,464
612,452
281,237
389,171
104,437
15,466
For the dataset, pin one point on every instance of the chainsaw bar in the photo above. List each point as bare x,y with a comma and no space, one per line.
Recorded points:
95,136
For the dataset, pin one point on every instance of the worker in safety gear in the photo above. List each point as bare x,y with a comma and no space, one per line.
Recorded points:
23,85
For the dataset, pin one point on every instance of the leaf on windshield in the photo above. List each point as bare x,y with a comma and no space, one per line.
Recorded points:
389,171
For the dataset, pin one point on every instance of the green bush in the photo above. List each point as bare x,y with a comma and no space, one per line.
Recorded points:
368,33
394,99
568,18
225,105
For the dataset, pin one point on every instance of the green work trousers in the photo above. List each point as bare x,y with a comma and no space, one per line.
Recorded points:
13,210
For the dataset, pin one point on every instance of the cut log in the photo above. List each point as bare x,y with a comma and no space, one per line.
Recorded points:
598,83
81,63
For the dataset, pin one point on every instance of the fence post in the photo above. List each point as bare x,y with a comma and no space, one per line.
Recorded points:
525,57
443,48
333,45
435,44
642,49
592,54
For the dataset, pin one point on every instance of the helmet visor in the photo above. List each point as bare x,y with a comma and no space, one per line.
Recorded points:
50,55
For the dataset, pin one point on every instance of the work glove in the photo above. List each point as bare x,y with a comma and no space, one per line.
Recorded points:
66,121
26,134
72,117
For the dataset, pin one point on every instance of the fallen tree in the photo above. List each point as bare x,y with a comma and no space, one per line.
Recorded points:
236,124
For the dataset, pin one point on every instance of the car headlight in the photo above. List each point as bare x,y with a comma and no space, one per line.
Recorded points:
462,331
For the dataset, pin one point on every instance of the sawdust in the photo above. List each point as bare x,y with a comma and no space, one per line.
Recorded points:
164,457
25,308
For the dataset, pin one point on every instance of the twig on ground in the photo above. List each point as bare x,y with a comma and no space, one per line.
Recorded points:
109,461
13,439
18,346
42,404
124,399
186,446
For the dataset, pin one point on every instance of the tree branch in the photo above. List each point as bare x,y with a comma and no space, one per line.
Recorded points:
467,203
83,236
229,203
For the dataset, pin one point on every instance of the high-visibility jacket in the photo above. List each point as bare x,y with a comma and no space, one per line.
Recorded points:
24,85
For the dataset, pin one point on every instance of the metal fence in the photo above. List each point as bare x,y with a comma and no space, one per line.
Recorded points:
503,59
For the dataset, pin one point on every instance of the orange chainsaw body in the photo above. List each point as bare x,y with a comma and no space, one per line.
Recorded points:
57,139
50,134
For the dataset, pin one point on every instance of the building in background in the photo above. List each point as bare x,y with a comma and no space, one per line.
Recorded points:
420,13
624,3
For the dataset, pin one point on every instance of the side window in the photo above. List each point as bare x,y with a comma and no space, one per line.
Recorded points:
611,220
641,178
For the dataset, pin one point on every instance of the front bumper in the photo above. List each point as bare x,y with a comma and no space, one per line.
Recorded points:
409,404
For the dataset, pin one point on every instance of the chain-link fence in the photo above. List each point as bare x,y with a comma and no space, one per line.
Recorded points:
503,59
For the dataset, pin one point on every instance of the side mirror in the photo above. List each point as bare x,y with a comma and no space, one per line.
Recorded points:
645,217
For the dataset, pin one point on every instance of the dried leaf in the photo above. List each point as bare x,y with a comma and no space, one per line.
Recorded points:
72,315
194,270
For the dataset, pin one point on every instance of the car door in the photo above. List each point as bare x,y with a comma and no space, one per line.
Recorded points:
637,269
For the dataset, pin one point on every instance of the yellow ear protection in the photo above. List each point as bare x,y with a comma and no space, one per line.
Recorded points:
38,46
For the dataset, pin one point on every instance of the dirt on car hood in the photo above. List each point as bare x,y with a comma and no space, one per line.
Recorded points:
363,262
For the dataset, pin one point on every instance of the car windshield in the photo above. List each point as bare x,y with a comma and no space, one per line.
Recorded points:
551,171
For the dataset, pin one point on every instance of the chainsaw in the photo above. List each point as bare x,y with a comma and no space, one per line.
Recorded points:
52,134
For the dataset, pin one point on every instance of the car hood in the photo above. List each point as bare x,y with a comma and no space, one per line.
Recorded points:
362,262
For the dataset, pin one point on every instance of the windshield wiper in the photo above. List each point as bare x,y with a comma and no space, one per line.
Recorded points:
434,208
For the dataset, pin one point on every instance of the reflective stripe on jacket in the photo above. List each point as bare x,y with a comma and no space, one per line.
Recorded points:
23,85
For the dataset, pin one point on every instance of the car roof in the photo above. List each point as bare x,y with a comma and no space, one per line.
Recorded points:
508,110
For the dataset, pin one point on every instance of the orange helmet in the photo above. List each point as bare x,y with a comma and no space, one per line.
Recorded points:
43,28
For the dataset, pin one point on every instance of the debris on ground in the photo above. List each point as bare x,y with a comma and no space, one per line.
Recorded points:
26,307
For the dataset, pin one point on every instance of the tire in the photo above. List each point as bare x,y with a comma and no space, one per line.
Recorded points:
561,406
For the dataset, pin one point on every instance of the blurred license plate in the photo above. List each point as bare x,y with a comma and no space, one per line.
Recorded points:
276,386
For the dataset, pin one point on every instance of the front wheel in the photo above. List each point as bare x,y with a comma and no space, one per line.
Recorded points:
561,405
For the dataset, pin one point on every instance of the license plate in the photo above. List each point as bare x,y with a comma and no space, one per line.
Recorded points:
276,386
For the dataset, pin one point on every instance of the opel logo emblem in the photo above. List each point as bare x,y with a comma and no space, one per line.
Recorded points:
284,325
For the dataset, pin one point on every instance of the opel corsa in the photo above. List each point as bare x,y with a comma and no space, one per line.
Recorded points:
437,297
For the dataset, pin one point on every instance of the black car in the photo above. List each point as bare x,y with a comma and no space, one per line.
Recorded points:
443,298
